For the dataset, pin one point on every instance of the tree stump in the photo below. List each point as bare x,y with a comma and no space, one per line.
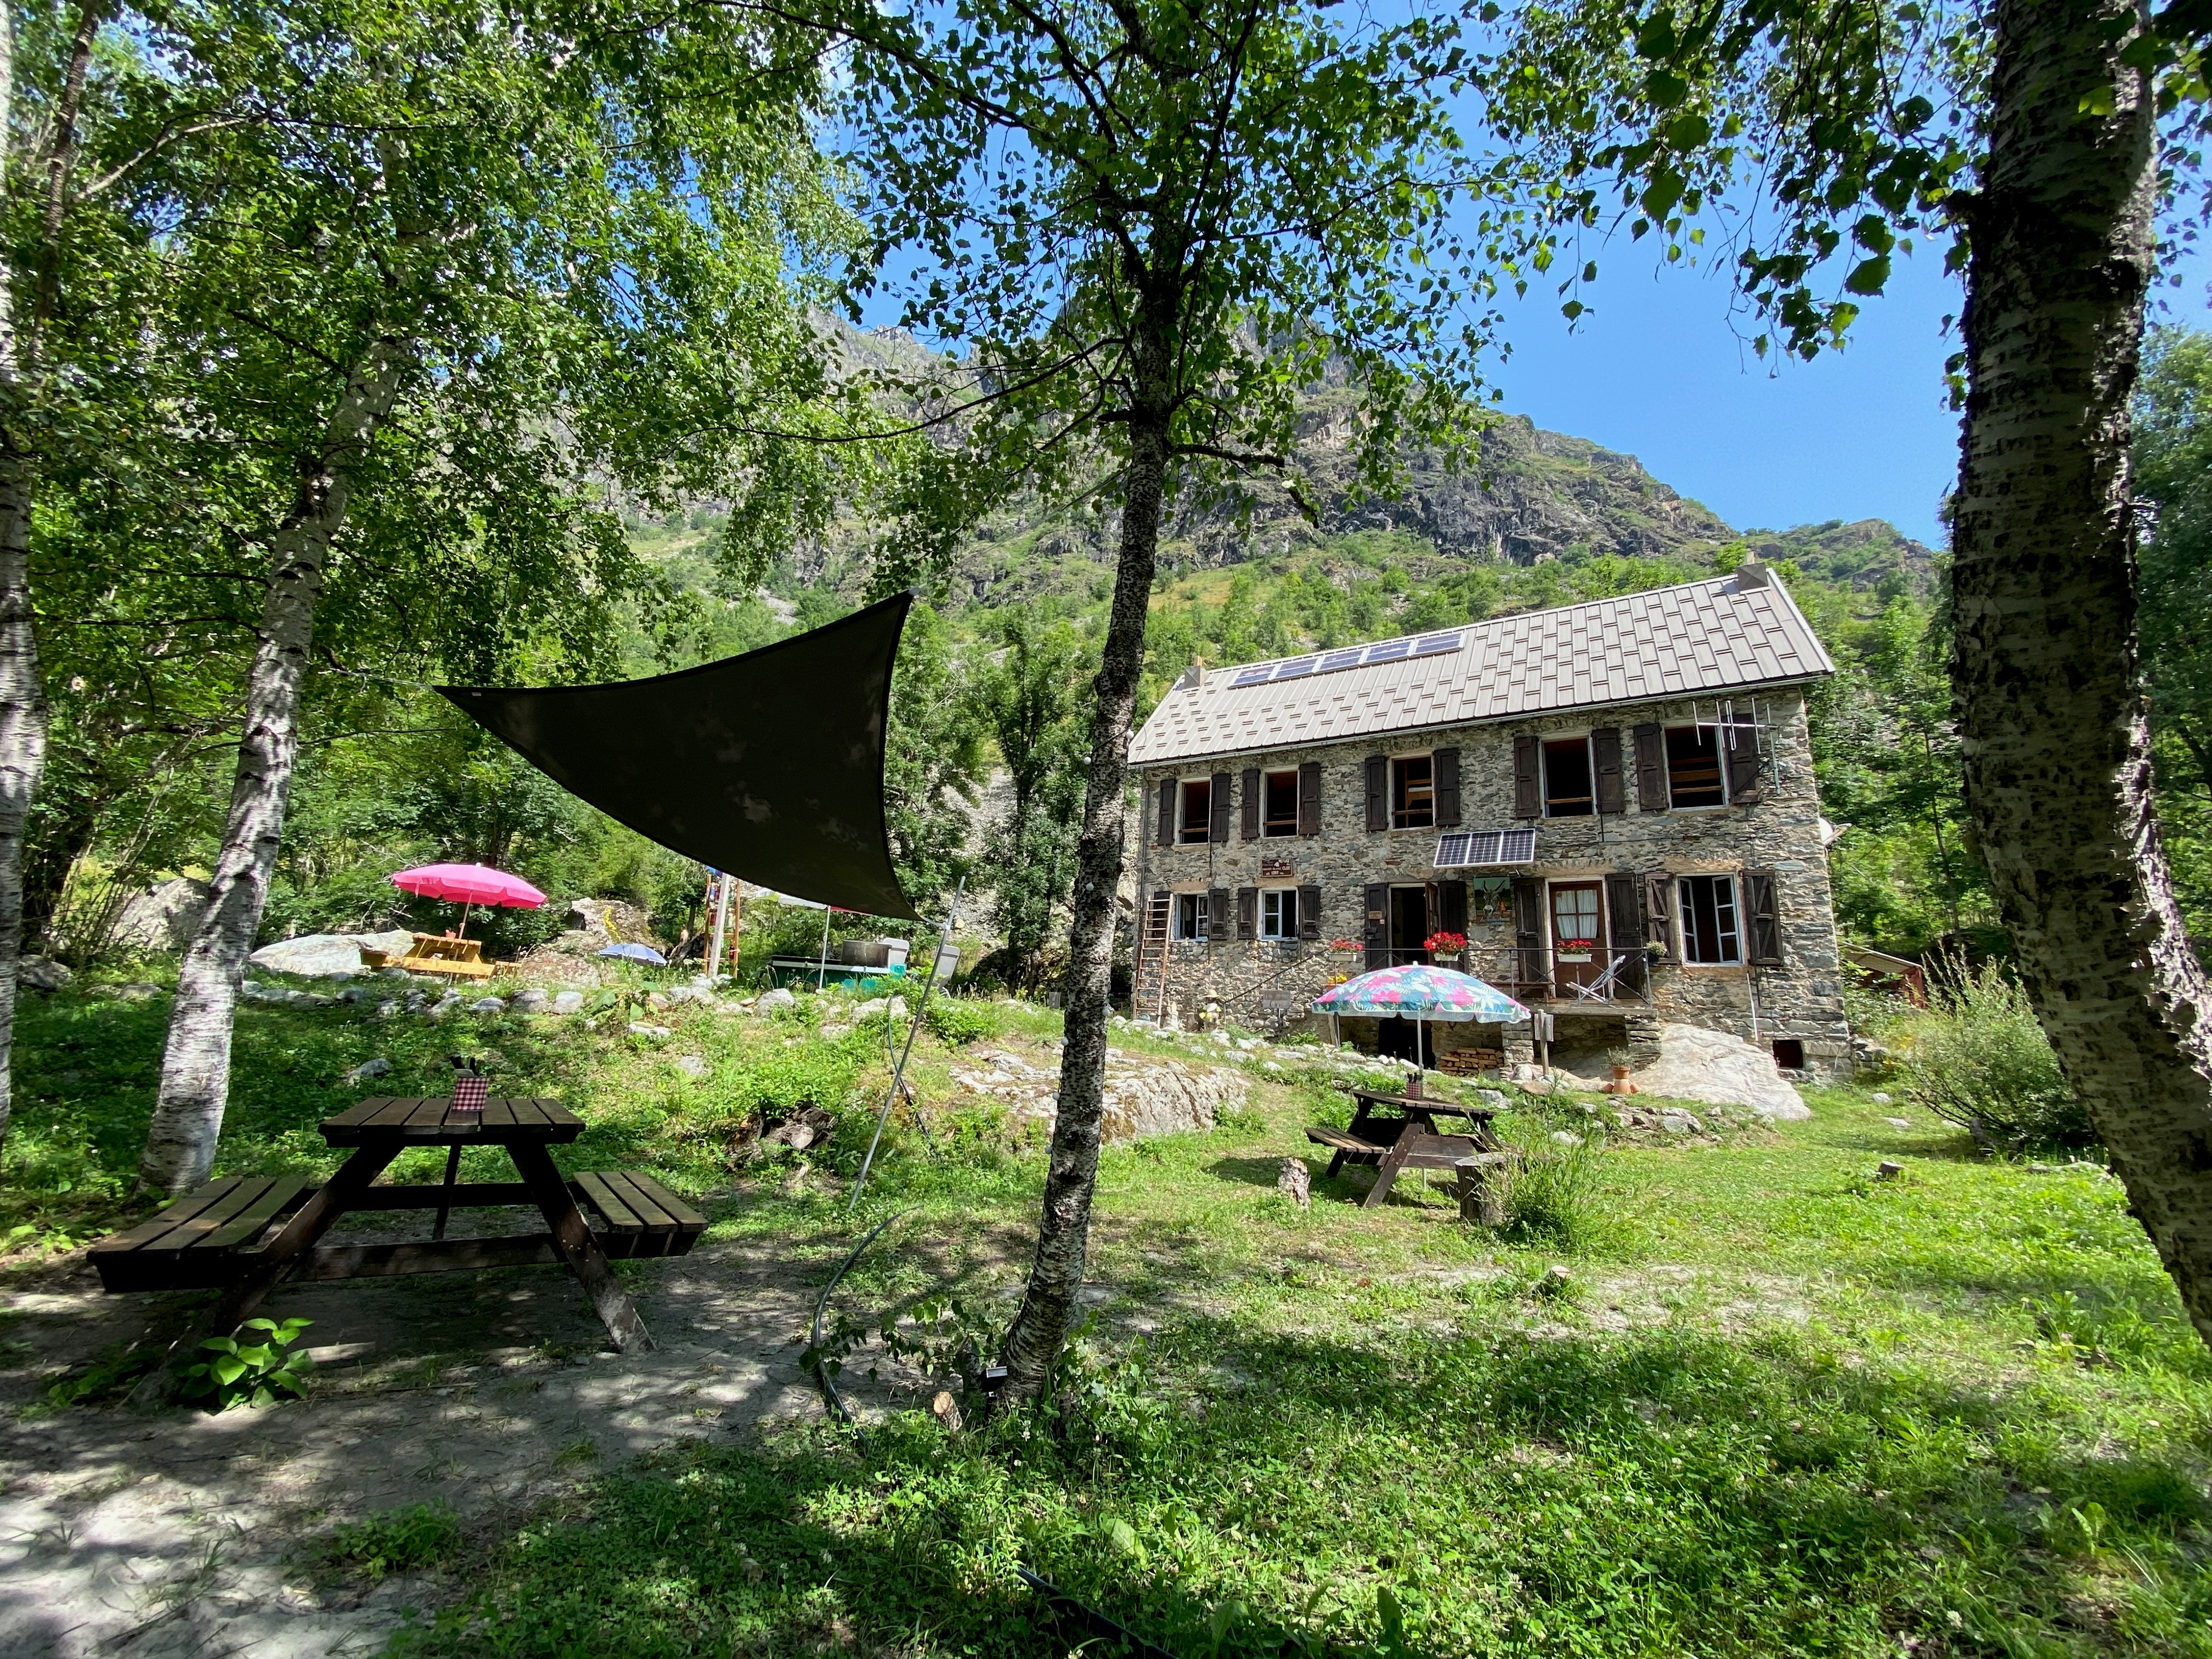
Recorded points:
1481,1188
1295,1182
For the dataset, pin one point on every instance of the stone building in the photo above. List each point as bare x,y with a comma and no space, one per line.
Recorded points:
1611,803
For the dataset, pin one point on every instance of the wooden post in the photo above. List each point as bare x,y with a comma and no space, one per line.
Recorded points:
1481,1199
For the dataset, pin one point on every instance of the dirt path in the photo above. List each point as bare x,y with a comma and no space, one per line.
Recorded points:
161,1536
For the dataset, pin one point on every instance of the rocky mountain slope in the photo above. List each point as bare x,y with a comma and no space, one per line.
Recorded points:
1531,496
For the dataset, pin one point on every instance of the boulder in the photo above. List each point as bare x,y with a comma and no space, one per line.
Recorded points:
1716,1069
366,1070
532,1000
163,917
318,956
254,991
568,1002
488,1006
128,993
770,1000
41,973
395,942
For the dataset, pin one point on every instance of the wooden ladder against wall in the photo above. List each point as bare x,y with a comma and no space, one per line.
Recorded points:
1149,984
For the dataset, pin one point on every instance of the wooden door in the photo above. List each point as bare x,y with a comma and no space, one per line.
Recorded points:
1578,940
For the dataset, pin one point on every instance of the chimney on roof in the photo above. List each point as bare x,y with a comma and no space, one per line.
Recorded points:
1752,572
1192,677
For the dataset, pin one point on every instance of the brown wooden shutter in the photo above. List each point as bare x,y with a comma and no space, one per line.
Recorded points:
1763,912
1659,912
1167,830
1604,751
1378,925
1310,913
1433,918
1623,904
1446,774
1451,906
1741,752
1251,803
1650,768
1527,784
1310,799
1378,791
1531,966
1217,914
1218,831
1248,912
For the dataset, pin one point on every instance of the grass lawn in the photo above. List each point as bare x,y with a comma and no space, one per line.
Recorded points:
1777,1407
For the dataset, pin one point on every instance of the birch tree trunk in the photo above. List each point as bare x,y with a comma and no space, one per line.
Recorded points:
1034,1343
22,709
195,1085
2051,713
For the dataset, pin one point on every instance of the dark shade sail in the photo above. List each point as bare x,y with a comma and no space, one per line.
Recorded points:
770,765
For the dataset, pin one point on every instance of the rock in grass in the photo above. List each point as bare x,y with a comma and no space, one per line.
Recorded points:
318,956
488,1006
1295,1182
366,1070
568,1002
41,974
691,1066
530,1001
444,1005
1888,1169
778,997
650,1033
1716,1069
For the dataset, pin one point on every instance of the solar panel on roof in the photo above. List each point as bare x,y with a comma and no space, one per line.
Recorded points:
1290,670
1389,651
1435,642
1337,660
1256,676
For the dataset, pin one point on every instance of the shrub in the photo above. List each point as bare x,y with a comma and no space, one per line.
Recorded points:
1978,1058
252,1372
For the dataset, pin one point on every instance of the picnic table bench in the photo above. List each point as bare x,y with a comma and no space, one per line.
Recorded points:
435,953
218,1236
1403,1136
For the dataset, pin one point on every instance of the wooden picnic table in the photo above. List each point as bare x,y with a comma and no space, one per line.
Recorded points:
209,1238
1396,1132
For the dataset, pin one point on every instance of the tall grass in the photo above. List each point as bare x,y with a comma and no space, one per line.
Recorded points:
1552,1195
1977,1057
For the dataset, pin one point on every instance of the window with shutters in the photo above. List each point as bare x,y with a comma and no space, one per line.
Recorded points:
1712,933
1190,916
1567,792
1694,767
1195,821
1279,913
1413,792
1279,816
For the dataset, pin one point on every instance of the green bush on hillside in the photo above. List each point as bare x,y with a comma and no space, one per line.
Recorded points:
1978,1058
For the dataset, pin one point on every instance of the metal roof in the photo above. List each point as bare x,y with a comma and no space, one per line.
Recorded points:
1729,634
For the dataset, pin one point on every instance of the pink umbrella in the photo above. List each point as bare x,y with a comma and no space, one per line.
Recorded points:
470,884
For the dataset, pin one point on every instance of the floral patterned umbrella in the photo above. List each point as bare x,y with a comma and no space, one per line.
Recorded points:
1417,991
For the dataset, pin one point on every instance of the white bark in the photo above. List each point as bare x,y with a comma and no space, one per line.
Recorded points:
195,1086
2051,714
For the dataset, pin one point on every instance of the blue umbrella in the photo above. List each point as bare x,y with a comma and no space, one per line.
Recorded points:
636,953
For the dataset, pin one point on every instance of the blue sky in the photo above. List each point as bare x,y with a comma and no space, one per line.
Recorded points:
1657,372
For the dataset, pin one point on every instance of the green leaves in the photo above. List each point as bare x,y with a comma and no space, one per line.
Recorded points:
252,1373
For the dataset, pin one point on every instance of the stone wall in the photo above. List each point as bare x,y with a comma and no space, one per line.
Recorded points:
1250,981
